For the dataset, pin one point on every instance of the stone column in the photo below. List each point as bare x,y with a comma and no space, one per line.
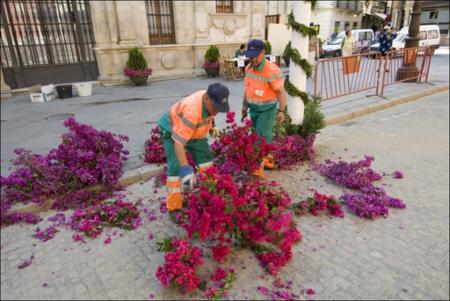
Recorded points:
101,22
132,23
5,89
302,14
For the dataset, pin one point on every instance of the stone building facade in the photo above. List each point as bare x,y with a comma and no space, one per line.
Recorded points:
329,15
194,25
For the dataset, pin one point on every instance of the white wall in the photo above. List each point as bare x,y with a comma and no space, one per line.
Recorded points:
443,17
327,18
279,35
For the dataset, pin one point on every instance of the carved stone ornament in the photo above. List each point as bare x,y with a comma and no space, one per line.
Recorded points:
229,26
168,60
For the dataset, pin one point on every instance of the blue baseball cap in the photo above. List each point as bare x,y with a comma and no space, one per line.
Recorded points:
254,48
219,94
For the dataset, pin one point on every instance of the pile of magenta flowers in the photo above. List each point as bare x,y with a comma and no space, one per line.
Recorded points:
93,219
317,203
249,213
180,270
153,148
85,157
239,149
369,201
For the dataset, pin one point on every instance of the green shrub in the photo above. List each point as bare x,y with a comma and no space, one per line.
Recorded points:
313,121
136,61
286,50
267,47
212,54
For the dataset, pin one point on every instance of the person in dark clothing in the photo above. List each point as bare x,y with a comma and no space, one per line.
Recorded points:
386,39
240,52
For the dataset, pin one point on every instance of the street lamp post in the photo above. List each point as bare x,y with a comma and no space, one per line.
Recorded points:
409,69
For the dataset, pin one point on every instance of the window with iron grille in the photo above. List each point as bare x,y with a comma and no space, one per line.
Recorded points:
433,14
161,27
224,6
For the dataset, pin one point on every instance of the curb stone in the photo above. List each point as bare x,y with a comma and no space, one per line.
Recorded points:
129,177
390,104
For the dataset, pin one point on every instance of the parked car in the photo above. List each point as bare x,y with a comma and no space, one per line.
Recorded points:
429,36
363,39
332,49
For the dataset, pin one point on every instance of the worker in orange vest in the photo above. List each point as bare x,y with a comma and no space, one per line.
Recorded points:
185,127
264,88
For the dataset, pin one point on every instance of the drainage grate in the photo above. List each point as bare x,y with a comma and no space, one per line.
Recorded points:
350,123
99,103
62,116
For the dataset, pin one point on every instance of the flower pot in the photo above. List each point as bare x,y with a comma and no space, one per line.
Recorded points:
64,91
84,89
139,80
212,72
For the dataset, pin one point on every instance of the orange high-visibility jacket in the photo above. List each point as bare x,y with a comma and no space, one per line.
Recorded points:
187,118
261,87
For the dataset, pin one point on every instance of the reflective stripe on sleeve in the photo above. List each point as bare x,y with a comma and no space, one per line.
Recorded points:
178,138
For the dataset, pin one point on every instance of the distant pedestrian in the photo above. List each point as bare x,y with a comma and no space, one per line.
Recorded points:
348,43
386,39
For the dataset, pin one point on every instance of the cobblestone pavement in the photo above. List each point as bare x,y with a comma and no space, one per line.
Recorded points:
402,257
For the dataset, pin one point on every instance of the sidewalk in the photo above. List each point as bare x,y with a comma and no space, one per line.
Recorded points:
134,111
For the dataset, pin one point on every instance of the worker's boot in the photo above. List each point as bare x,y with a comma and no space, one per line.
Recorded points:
260,171
174,199
269,162
173,216
204,166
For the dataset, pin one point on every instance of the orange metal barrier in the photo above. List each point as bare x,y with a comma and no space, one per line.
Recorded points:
336,77
406,65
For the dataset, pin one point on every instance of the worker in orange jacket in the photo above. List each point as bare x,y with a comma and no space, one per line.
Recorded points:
264,88
185,127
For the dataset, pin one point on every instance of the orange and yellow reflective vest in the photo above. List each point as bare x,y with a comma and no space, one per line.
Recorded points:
262,84
188,119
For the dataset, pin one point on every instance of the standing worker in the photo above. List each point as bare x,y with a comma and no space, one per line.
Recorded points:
264,88
185,127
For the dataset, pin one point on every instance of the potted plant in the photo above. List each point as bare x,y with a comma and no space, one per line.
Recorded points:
136,68
286,58
211,63
268,47
268,51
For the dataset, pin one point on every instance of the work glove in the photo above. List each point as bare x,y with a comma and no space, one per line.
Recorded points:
187,176
244,114
214,132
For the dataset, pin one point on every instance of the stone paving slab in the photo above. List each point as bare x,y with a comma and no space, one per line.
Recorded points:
402,257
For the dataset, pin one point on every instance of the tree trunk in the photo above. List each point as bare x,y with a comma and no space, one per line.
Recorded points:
409,69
